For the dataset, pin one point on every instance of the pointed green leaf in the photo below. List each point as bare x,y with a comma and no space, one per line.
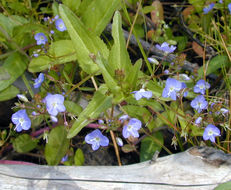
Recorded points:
60,52
132,76
8,93
79,157
98,14
57,145
118,58
24,143
85,42
72,107
149,145
216,63
15,65
99,103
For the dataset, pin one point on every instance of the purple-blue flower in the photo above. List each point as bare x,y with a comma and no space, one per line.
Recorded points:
119,141
208,8
199,103
60,25
39,80
131,129
171,89
65,158
201,86
40,38
166,72
229,7
21,120
123,118
22,98
54,119
224,111
210,132
153,61
142,94
96,139
220,1
198,120
166,48
54,104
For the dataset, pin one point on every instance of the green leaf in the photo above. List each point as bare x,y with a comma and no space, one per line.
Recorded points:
57,145
40,63
73,5
132,76
60,52
118,58
8,93
216,63
15,66
83,6
149,145
24,143
85,43
73,107
4,75
224,186
99,103
98,14
109,80
79,157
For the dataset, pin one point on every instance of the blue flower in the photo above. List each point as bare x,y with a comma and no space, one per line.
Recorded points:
166,48
54,104
224,111
40,38
220,1
198,120
54,119
21,120
39,80
22,98
183,87
142,94
131,129
60,25
153,61
171,89
166,72
100,121
211,132
119,141
201,86
123,118
96,139
229,7
208,8
65,158
199,103
52,32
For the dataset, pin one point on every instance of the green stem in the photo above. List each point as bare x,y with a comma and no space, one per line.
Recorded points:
26,82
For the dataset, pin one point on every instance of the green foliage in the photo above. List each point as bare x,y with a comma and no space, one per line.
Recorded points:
8,93
224,186
98,14
60,52
149,145
73,108
15,65
79,157
57,145
99,103
85,42
216,63
24,143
